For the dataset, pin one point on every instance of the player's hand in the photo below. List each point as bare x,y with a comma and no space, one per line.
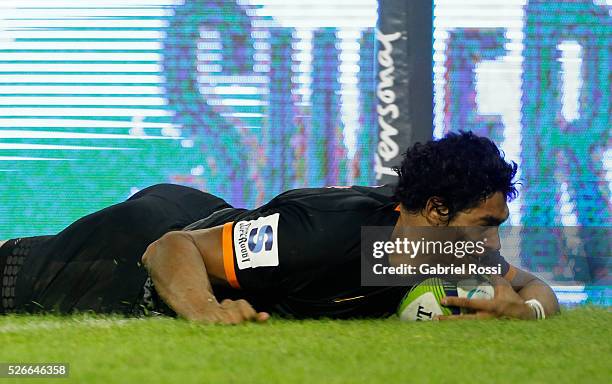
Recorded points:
506,304
233,312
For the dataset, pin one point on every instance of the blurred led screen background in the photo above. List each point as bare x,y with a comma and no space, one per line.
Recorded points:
248,98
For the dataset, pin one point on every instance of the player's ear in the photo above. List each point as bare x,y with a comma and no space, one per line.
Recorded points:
436,212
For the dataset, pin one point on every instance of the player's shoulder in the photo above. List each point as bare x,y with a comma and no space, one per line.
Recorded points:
338,197
380,192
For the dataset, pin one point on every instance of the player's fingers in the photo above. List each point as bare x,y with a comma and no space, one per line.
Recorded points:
463,302
232,317
235,312
246,310
216,317
259,317
262,317
227,312
232,306
226,303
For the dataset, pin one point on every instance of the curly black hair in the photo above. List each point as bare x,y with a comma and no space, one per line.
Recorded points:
462,169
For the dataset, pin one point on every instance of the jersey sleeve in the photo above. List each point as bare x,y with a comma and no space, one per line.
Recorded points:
274,247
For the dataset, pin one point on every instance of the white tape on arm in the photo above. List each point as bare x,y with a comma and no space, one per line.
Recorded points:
537,308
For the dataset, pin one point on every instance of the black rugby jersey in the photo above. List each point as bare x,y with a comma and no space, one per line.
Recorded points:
299,254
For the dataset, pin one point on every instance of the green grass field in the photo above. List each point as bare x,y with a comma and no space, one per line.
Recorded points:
575,347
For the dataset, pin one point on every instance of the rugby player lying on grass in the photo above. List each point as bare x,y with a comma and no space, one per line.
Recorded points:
179,251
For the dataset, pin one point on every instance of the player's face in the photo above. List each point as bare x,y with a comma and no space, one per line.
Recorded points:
483,221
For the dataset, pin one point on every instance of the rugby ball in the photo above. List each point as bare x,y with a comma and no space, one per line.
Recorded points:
422,302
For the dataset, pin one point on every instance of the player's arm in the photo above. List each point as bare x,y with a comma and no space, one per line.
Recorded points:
511,295
530,287
182,265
